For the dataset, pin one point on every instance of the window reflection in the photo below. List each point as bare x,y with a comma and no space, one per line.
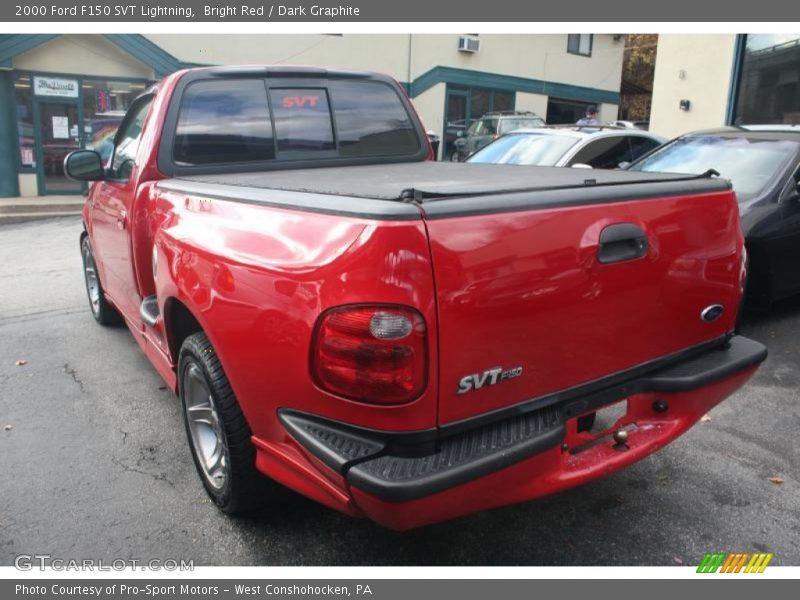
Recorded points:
104,105
769,86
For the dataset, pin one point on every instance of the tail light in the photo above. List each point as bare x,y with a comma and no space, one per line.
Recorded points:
374,354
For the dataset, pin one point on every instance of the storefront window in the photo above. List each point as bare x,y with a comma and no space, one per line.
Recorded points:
467,105
104,105
481,102
503,101
25,133
561,111
769,84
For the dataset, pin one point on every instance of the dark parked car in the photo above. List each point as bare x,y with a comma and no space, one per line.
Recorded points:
598,147
762,164
491,126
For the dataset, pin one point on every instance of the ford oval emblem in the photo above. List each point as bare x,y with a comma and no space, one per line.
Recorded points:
712,313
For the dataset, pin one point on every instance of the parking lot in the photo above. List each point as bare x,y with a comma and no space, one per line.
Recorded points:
95,462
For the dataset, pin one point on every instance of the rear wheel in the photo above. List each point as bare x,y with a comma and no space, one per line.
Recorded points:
102,310
454,156
219,436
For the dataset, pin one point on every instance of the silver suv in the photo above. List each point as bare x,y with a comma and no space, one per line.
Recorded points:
491,126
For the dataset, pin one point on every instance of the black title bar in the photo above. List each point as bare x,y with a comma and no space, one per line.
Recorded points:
325,11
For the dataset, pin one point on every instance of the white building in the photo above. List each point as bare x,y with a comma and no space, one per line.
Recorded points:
60,92
704,81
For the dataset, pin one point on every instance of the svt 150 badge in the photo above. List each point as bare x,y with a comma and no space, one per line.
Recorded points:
494,376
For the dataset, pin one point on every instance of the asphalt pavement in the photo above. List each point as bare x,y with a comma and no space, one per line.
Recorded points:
95,463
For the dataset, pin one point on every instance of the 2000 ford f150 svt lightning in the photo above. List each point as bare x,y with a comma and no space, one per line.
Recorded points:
394,337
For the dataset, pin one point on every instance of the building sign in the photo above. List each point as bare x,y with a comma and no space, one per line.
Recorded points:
52,86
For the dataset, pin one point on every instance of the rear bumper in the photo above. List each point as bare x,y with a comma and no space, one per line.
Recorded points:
407,480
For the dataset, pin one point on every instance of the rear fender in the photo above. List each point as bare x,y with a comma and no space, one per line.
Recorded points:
257,278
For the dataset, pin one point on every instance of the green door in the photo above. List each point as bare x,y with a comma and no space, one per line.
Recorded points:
59,128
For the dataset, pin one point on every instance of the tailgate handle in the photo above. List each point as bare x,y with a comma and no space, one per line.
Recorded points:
620,242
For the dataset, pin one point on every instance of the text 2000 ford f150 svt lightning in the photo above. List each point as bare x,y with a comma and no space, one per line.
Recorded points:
394,337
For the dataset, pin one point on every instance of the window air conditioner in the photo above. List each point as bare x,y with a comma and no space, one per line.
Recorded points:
468,44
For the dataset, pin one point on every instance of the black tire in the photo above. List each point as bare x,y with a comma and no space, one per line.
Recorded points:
102,310
244,488
454,156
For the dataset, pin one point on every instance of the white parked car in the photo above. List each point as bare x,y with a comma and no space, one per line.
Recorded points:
598,147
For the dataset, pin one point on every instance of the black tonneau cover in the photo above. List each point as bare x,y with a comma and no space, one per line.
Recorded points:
410,191
425,181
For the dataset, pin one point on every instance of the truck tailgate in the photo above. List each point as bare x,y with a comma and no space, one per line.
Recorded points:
531,302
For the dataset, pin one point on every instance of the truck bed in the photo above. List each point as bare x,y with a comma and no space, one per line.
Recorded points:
426,181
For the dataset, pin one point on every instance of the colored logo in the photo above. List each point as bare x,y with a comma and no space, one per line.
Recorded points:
735,562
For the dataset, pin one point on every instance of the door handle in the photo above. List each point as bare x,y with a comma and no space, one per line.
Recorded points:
621,242
122,220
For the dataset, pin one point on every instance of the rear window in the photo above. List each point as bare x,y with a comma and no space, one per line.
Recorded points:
302,120
223,122
641,146
230,121
483,127
371,120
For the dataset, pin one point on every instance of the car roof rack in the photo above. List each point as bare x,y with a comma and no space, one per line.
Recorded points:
583,127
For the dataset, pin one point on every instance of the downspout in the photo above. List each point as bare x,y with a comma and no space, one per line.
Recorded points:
408,69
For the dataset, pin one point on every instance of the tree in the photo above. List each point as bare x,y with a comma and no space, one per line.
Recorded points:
638,69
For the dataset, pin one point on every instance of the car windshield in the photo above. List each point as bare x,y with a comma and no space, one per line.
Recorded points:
525,149
751,164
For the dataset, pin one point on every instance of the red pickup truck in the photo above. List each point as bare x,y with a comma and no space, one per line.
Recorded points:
394,337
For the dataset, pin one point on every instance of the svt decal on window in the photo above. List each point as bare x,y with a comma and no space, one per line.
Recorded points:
302,120
300,101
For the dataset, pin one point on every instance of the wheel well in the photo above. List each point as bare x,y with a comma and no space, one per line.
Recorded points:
179,324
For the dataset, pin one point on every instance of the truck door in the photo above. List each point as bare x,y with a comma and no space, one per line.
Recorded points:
111,205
